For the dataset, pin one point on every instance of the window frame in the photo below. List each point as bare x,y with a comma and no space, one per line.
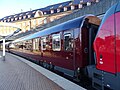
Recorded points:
56,36
28,44
43,39
70,34
36,44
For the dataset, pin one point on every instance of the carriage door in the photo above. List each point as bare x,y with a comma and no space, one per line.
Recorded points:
85,44
68,48
43,45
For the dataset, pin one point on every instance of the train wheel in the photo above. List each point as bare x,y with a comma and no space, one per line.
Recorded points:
40,63
52,67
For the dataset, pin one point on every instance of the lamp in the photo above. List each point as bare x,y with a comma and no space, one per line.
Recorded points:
15,32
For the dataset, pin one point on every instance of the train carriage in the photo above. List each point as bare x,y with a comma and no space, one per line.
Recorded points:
64,47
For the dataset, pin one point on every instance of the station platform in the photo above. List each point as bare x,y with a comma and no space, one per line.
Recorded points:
17,73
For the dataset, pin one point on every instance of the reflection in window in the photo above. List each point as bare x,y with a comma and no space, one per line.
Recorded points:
68,42
36,44
45,21
56,42
28,45
43,43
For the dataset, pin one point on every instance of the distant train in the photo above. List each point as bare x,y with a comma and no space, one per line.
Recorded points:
74,48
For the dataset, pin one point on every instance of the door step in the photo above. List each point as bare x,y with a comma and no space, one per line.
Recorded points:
98,80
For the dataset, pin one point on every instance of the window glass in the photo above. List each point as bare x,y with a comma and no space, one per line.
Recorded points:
36,44
28,44
22,45
56,42
68,41
45,21
43,43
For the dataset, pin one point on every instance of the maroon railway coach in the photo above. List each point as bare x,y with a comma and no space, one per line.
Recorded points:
65,47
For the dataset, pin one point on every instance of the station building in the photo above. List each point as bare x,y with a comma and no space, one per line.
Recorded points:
32,19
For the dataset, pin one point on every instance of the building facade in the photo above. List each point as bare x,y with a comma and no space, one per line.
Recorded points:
32,19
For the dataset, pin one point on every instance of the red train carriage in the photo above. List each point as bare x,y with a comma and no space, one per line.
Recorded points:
107,50
66,47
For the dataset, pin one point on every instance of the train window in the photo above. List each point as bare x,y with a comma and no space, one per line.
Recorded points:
36,44
28,44
43,43
68,42
56,42
18,45
22,45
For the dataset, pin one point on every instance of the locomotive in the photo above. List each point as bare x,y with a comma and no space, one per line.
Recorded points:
80,47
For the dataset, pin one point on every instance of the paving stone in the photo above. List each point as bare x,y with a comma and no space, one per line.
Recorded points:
16,75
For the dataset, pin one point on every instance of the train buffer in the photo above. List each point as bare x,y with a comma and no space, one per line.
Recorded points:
17,73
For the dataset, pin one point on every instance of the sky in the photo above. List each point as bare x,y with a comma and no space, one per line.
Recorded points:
10,7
